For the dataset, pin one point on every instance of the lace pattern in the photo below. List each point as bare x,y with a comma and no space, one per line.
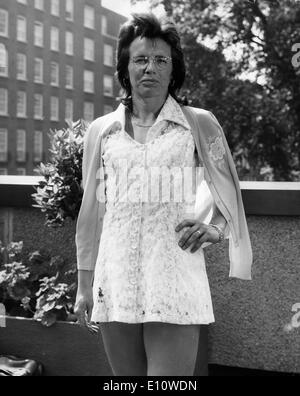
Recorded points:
141,273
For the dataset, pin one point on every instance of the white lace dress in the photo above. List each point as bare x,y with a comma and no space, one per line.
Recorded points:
141,274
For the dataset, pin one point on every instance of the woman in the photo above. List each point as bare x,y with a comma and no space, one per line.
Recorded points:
144,282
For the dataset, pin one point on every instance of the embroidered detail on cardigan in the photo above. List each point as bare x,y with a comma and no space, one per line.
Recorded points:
217,149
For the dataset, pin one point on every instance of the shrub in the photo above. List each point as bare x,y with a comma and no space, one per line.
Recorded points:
59,196
37,288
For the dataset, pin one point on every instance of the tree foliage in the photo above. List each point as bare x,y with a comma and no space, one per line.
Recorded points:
261,115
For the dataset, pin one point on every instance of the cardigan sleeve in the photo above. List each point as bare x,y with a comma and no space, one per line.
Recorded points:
87,226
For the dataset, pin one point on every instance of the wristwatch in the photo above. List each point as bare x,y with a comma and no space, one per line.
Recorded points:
220,232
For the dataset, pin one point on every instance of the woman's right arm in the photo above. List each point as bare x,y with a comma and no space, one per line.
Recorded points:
84,299
87,228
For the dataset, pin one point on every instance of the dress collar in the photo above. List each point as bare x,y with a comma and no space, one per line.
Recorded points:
171,112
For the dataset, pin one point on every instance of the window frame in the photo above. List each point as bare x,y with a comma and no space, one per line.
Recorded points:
5,13
56,117
68,43
109,64
86,88
4,153
69,11
4,51
87,9
38,40
105,77
38,154
21,145
56,82
87,49
35,79
69,101
55,8
39,5
87,114
54,38
24,113
70,68
38,116
22,77
22,38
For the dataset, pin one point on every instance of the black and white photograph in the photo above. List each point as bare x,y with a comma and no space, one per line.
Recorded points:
149,190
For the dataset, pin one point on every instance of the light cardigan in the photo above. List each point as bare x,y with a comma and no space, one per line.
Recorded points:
219,173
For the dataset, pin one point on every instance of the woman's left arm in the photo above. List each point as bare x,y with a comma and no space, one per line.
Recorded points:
218,219
198,233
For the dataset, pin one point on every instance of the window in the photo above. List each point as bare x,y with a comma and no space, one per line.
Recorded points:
54,108
108,55
54,74
3,145
104,24
21,29
39,4
3,101
21,145
69,110
3,23
55,7
89,17
21,104
69,10
108,85
38,70
108,109
54,44
88,81
89,49
69,43
69,77
38,146
38,107
3,61
21,171
21,67
3,171
88,111
38,34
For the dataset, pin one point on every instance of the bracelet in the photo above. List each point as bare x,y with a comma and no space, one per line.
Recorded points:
220,232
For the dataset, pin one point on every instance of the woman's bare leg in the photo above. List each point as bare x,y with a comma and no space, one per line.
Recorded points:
171,348
124,347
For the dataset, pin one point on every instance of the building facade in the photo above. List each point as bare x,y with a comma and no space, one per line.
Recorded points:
57,63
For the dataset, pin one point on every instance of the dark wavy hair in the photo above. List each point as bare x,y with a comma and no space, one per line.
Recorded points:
149,26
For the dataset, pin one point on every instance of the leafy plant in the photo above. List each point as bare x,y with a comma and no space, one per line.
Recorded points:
59,196
54,302
38,287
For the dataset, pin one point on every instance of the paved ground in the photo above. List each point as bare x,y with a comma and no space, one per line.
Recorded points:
224,371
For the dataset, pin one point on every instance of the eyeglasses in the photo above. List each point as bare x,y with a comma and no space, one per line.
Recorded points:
161,62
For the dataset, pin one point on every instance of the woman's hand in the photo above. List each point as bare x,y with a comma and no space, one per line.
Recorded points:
195,239
83,309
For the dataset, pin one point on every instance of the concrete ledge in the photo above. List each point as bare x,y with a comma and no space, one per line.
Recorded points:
260,198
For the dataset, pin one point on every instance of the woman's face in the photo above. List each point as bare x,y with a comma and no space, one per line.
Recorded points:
149,80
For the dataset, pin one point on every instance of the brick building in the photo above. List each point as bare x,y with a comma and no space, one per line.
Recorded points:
57,62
